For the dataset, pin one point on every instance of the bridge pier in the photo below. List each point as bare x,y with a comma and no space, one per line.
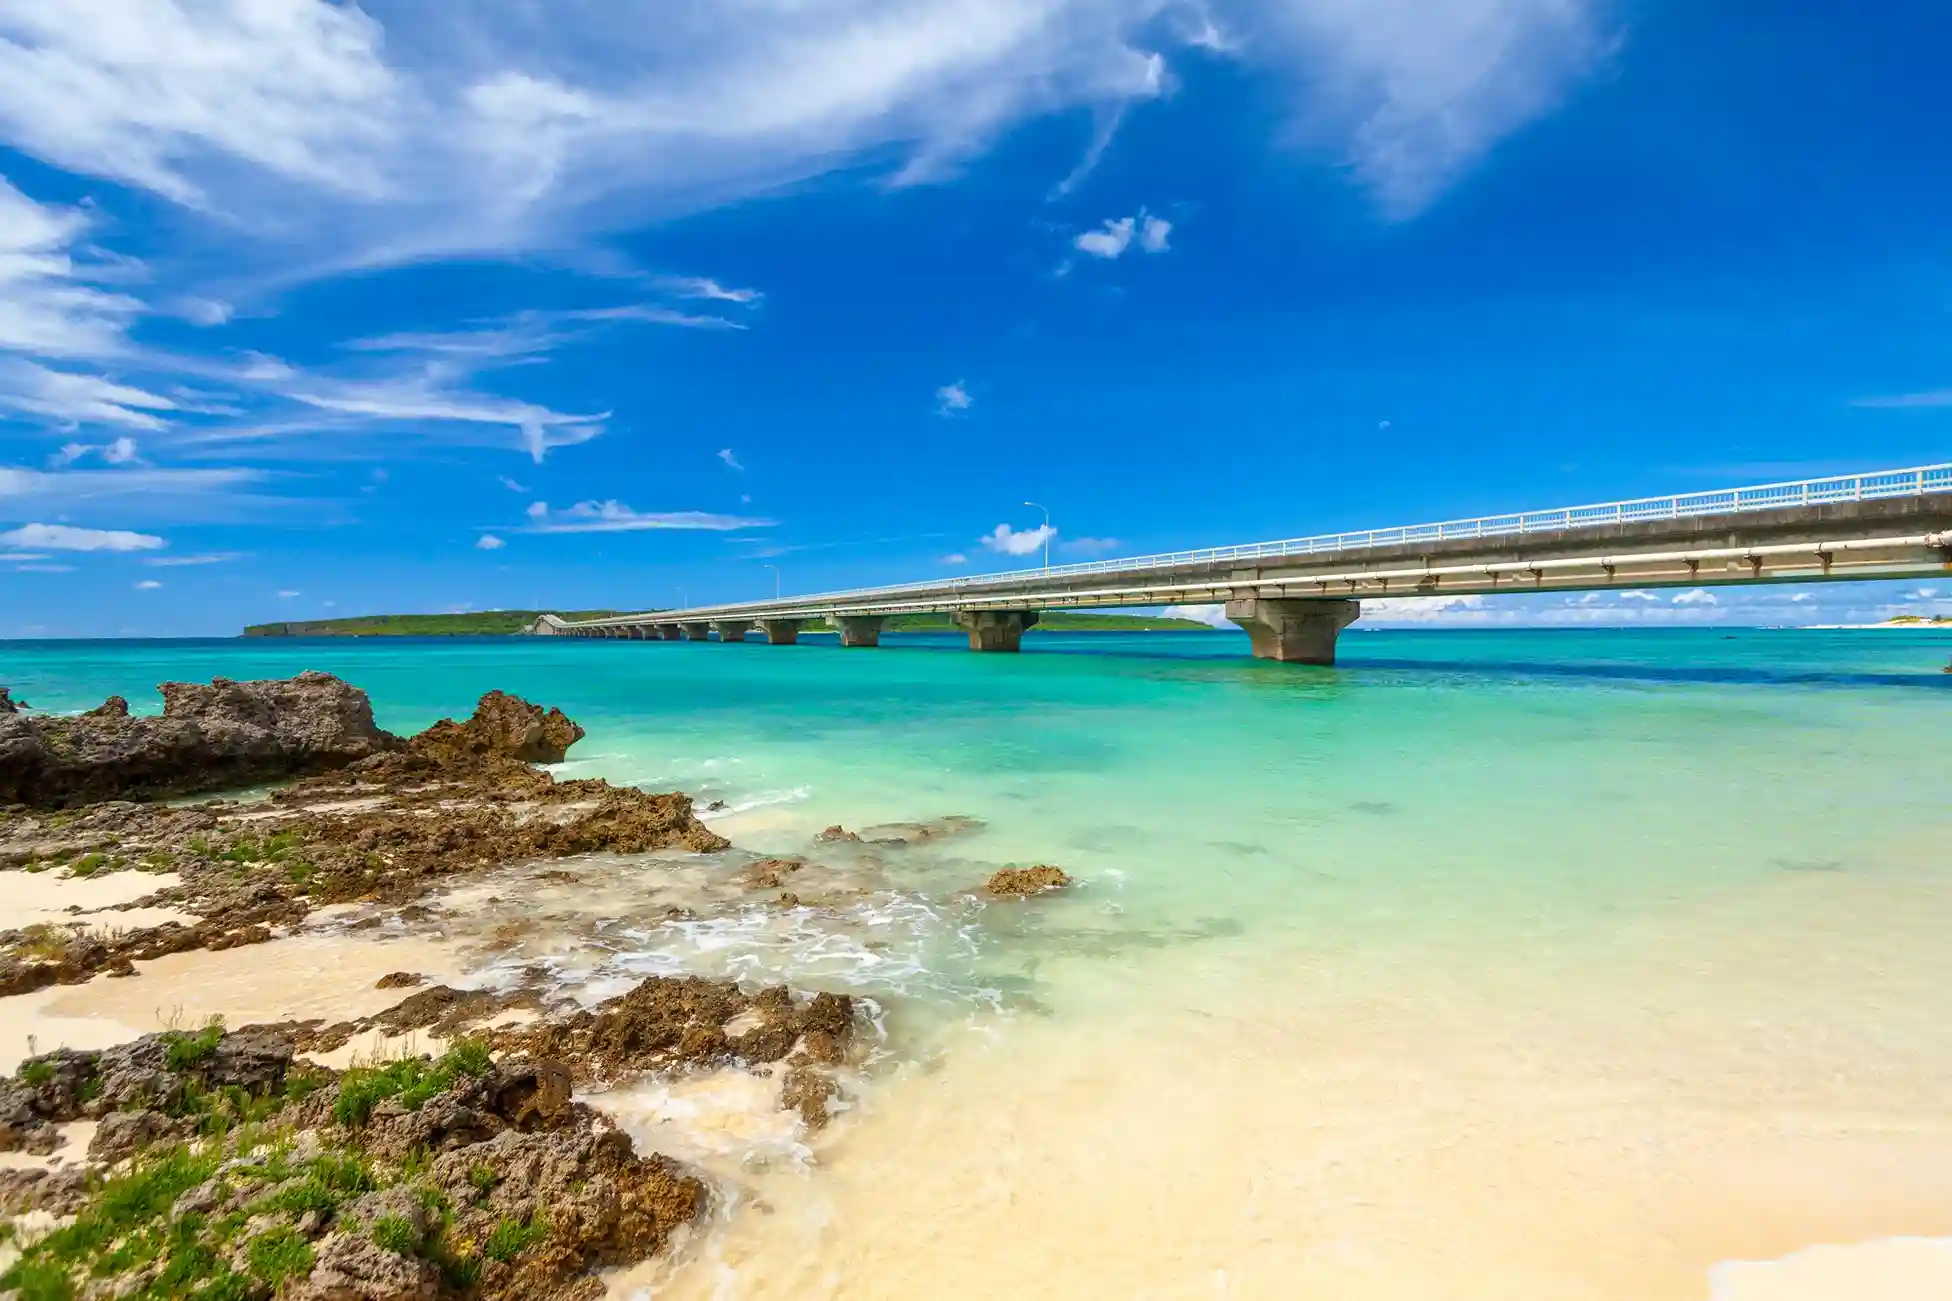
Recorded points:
669,632
859,629
995,630
781,632
730,630
697,630
1293,631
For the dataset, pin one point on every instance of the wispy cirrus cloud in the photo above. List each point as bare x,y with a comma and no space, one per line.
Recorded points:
615,517
65,537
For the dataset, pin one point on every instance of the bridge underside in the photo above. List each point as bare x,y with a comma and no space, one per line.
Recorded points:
1293,607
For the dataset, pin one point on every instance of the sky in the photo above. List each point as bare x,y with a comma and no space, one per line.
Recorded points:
313,308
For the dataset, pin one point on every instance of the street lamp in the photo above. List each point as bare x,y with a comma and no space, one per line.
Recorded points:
775,569
1047,532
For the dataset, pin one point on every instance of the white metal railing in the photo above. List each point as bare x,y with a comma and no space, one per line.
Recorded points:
1726,501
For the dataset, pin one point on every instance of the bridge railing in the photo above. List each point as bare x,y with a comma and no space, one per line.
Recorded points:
1913,482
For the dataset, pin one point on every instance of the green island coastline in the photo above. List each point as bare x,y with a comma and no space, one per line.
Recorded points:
493,623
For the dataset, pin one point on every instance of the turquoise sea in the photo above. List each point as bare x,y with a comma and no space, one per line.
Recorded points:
1515,964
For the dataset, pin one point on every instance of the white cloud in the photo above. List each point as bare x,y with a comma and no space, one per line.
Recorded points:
1089,546
1414,95
704,287
51,300
431,397
207,312
21,557
1011,542
1216,615
725,455
510,484
1696,596
615,517
489,542
1421,609
952,398
288,593
415,130
954,558
1638,595
70,399
1111,240
122,451
1903,401
175,562
538,509
147,585
65,537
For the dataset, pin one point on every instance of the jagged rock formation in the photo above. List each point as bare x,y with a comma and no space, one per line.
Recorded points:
208,737
503,726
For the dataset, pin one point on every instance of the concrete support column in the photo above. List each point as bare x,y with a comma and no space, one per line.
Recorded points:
995,630
1293,631
732,629
781,632
670,631
859,629
637,632
697,631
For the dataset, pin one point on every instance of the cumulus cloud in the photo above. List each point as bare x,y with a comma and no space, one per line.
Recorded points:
1420,609
951,399
1013,542
147,585
489,542
538,510
288,593
725,455
955,558
66,537
1216,615
1116,235
1696,596
615,517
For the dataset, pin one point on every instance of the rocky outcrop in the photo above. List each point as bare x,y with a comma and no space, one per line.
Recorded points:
1021,881
669,1022
208,737
8,705
502,727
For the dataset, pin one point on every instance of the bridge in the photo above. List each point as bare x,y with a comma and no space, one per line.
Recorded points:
1293,597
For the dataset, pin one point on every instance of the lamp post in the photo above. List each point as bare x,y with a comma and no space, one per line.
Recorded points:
775,569
1047,531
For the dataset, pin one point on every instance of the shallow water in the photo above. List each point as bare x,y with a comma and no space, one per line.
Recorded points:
1515,965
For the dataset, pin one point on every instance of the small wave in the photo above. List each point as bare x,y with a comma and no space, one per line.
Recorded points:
764,799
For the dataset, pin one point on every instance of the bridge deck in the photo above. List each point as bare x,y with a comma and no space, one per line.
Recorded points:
1894,524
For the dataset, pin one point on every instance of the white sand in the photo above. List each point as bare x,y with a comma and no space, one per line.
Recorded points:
1892,1269
32,898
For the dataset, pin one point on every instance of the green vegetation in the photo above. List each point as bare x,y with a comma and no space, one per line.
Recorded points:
279,1254
396,1235
510,1238
412,1080
476,623
1920,620
186,1052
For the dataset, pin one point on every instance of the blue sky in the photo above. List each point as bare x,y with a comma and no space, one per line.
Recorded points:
312,309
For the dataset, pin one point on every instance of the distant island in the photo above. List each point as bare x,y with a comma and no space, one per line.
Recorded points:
504,623
475,623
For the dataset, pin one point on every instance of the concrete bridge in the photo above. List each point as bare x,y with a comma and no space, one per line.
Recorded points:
1293,597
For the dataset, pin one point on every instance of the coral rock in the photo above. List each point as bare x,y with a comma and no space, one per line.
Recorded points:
1021,881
